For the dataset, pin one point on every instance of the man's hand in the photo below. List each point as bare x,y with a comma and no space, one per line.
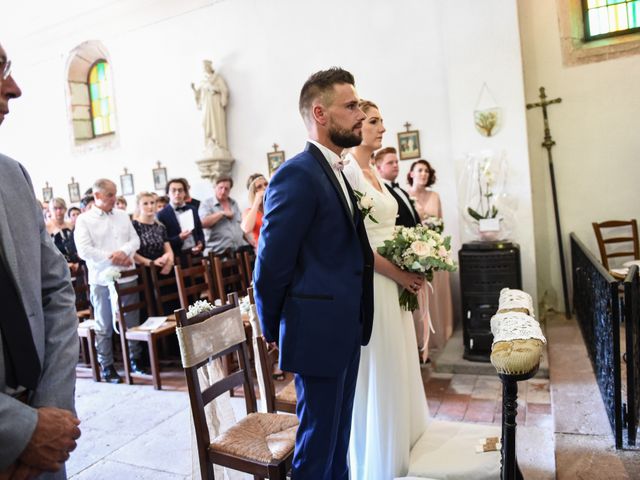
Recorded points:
19,471
197,249
184,234
120,258
54,437
227,212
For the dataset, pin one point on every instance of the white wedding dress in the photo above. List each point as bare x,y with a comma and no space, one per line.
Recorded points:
390,410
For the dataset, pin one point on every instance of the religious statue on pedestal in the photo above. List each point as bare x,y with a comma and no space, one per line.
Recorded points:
212,97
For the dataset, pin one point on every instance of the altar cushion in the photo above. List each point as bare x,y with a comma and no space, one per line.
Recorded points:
447,451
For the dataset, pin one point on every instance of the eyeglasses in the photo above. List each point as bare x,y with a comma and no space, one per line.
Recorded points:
6,69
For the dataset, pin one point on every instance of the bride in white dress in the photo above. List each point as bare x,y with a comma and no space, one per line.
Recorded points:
390,408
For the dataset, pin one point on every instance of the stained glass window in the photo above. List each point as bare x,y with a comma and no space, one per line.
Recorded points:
606,18
102,111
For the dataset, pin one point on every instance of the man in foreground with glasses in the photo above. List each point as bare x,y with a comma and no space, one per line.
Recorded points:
38,336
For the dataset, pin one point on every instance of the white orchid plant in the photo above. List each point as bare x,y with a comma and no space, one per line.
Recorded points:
486,208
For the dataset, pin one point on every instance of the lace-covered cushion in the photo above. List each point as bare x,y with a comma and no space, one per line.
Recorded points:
517,343
512,300
288,393
259,436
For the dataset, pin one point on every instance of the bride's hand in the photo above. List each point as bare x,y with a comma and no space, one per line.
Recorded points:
411,282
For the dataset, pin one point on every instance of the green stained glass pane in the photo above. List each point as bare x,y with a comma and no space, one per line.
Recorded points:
93,91
613,2
632,13
104,106
617,18
100,71
97,126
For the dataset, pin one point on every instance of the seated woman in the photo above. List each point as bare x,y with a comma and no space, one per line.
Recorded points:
154,245
252,216
61,232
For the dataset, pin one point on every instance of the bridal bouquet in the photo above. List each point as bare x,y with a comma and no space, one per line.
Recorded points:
417,250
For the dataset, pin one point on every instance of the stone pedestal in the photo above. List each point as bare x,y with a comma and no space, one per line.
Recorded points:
216,162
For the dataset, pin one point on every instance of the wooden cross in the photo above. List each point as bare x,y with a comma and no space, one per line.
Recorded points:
407,125
73,180
275,147
126,171
46,184
548,143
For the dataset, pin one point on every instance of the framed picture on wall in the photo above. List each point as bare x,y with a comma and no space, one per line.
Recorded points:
47,192
409,144
159,177
275,159
126,183
74,191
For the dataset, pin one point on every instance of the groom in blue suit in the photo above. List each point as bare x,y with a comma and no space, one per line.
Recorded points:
314,275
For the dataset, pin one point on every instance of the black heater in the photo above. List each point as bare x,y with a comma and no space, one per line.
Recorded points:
485,269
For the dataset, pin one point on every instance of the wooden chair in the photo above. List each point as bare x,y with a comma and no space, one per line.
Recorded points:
628,245
86,326
248,260
195,283
137,334
286,399
229,274
164,289
261,443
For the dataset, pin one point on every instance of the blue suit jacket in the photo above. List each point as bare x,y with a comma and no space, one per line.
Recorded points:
314,268
168,218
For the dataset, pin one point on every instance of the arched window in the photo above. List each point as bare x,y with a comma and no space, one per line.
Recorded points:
90,97
102,115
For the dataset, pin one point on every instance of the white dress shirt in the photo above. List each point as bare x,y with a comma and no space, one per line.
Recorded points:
332,158
98,234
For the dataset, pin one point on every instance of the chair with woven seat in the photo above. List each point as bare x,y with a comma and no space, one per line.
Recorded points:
286,399
86,326
260,444
195,283
229,274
617,238
140,334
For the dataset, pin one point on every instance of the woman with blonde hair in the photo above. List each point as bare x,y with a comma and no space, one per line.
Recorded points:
61,232
390,409
252,216
154,245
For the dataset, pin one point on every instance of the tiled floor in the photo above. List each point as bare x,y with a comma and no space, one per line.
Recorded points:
135,432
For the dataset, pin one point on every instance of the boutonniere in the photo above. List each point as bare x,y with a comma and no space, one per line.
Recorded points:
365,205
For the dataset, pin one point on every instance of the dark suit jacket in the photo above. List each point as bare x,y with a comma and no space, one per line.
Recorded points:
314,268
167,216
406,217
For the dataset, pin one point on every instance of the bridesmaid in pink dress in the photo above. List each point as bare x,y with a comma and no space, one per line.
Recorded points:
427,202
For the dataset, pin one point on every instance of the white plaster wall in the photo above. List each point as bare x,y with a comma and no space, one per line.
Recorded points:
596,156
420,60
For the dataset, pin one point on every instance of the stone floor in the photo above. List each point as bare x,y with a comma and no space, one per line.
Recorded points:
135,432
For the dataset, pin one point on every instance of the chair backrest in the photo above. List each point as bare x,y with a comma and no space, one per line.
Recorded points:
80,282
205,338
165,291
265,359
141,288
194,283
627,243
229,274
249,259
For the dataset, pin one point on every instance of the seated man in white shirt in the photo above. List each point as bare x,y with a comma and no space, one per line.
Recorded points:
105,238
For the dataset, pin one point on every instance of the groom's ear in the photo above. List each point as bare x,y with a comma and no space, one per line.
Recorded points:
319,113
